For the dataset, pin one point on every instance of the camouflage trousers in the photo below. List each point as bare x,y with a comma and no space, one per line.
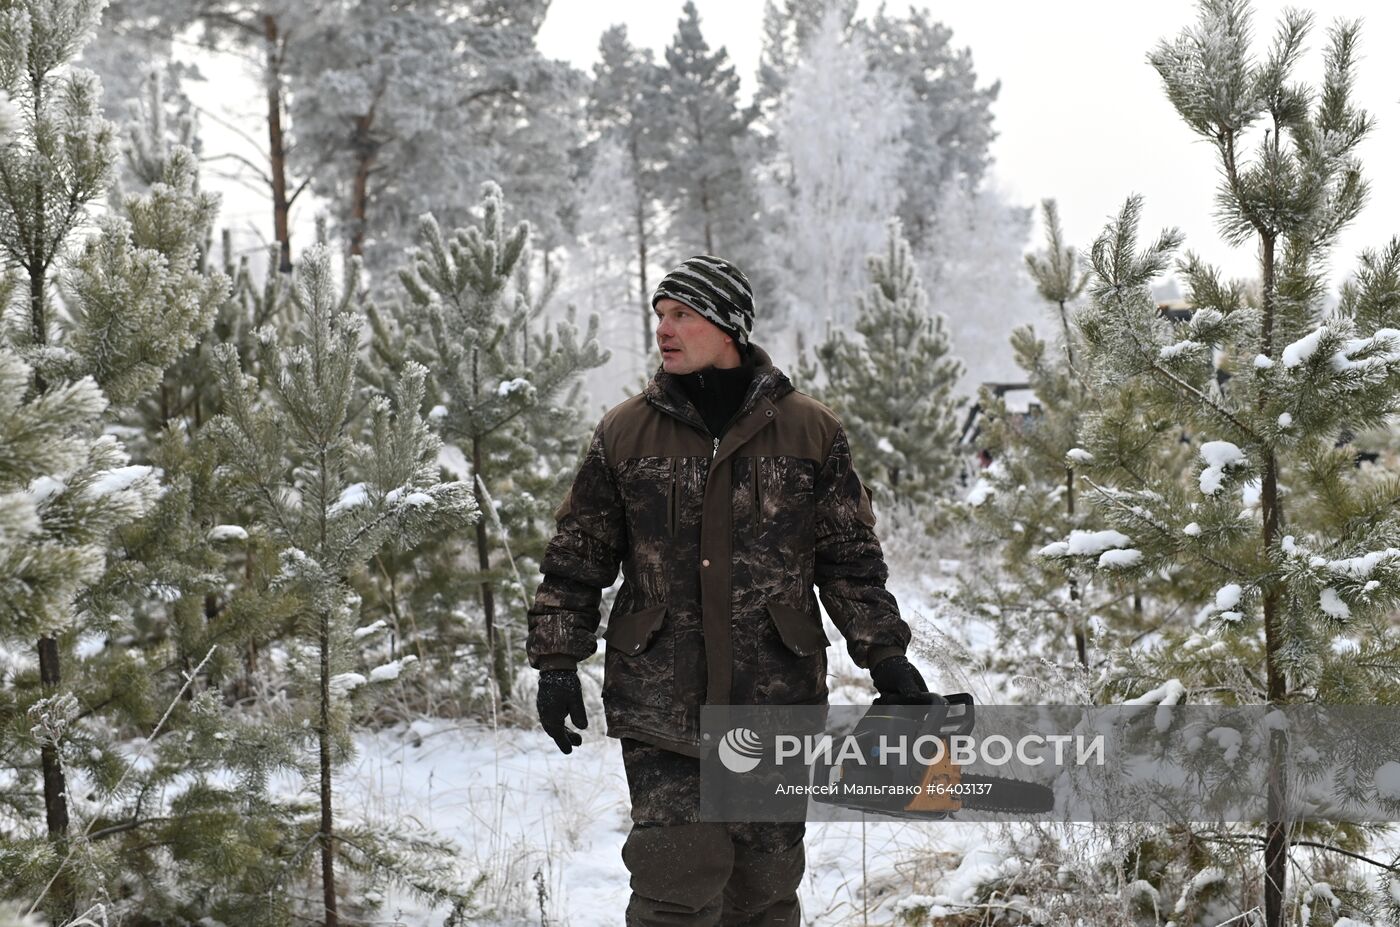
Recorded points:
688,871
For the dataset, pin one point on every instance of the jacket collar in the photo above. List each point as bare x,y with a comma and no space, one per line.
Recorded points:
664,391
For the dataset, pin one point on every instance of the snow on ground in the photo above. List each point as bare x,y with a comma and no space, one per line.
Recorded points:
514,806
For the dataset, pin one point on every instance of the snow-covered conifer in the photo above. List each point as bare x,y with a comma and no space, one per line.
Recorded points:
499,382
1301,544
333,479
894,387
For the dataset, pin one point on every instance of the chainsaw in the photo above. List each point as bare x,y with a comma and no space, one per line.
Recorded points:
943,788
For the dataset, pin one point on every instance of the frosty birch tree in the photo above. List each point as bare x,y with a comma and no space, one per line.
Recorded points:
833,183
1301,544
603,276
971,261
333,486
788,25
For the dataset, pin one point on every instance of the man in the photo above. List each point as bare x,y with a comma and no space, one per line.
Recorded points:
725,495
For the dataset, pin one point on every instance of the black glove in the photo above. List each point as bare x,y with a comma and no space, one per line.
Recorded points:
896,676
560,696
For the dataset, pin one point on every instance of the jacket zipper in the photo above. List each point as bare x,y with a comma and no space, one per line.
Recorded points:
757,490
672,513
714,450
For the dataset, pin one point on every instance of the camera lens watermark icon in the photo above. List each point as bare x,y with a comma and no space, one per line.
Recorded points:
740,750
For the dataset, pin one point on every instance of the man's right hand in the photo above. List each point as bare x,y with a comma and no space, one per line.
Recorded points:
560,696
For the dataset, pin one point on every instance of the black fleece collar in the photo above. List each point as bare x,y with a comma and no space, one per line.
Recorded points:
666,391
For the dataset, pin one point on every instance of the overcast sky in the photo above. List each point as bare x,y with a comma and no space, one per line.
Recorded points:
1081,115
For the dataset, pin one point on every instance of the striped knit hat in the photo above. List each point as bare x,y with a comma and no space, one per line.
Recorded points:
716,289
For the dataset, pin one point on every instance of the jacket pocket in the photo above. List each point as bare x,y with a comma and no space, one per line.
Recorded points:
800,632
639,667
632,634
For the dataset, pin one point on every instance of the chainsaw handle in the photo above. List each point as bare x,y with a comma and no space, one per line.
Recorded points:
936,719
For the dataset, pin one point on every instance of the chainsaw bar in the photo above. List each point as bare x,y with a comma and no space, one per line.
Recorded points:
1004,796
1009,795
943,789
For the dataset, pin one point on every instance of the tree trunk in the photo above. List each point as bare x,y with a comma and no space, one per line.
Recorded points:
323,735
1276,835
499,670
364,160
327,810
705,208
483,555
276,147
1081,643
1069,346
55,788
643,290
50,670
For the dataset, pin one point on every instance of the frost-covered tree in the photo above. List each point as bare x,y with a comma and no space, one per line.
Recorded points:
497,384
374,78
1299,544
972,263
705,181
270,31
333,482
602,273
949,132
137,31
1029,496
894,387
787,27
113,558
833,181
130,300
400,109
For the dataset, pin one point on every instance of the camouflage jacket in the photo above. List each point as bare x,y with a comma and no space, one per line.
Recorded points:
720,544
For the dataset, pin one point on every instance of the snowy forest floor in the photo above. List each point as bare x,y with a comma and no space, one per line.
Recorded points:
547,829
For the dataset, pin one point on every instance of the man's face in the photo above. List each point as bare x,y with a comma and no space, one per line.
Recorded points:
689,341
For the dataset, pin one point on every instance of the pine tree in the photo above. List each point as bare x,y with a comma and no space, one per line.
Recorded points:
389,74
498,383
333,483
1299,543
134,620
271,31
893,388
950,131
705,181
625,106
402,109
833,181
132,301
1029,495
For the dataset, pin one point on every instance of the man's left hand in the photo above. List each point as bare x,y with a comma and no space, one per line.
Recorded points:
896,676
